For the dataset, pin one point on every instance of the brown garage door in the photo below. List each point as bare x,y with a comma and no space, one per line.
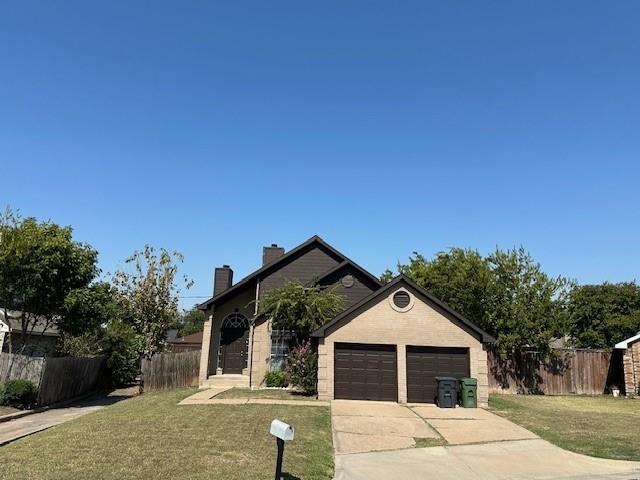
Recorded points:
365,372
424,364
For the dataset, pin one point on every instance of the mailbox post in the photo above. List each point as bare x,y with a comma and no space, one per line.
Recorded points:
283,433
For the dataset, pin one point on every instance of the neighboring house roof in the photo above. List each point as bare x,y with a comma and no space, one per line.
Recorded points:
194,338
41,327
625,343
281,261
484,336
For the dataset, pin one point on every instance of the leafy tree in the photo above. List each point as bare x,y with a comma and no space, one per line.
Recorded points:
190,322
599,316
40,264
300,308
149,294
88,310
458,277
524,305
506,293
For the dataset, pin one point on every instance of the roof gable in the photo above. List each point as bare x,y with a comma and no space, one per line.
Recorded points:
281,262
420,292
625,343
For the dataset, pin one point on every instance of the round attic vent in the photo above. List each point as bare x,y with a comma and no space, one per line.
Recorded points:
401,299
348,281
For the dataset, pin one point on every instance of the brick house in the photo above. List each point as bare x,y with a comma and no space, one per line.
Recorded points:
389,343
631,364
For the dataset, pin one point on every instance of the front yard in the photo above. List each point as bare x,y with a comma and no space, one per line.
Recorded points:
151,437
599,426
268,393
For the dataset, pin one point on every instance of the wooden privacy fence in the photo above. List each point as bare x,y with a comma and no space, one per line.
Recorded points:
68,377
171,370
57,378
586,372
14,366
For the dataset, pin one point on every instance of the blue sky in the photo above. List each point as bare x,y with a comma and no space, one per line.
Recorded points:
216,128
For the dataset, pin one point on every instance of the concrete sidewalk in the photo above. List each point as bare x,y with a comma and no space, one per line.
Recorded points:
519,459
27,425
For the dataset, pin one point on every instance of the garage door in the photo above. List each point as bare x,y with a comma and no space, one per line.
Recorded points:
424,364
365,372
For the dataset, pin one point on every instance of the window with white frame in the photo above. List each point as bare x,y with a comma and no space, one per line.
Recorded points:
280,339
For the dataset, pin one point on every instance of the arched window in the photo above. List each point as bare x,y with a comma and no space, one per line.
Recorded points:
235,320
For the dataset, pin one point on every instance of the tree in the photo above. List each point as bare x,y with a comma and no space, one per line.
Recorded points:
40,264
190,322
506,293
300,308
88,310
524,305
599,316
149,295
459,277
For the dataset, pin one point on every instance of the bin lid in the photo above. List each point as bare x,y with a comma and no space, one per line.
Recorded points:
469,381
446,379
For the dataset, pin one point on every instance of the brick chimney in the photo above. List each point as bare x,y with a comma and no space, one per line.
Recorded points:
269,254
222,279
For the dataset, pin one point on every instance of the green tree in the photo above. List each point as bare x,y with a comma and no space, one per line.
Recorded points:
149,295
300,308
89,310
40,264
506,293
524,305
190,322
599,316
459,277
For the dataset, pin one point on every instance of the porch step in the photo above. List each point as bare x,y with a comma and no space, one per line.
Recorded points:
219,381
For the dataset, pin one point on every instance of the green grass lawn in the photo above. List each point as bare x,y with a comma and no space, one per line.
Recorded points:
151,437
266,393
599,426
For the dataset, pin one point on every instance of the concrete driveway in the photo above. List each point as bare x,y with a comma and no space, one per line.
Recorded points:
376,440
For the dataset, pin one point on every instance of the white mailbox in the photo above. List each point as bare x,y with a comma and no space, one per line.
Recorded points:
282,430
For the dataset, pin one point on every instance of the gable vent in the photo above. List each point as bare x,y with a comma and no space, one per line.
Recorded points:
401,299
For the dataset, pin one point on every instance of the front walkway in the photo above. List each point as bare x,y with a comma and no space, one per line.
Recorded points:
36,422
376,440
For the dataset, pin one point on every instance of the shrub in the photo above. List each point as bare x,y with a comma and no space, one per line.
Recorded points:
20,394
276,378
122,347
303,367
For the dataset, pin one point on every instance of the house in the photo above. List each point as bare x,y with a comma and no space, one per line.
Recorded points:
631,363
42,340
389,343
187,343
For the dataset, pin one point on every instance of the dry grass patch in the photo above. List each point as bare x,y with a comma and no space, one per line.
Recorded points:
600,426
267,393
151,437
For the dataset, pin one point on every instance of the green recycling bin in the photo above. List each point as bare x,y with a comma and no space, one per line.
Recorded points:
468,392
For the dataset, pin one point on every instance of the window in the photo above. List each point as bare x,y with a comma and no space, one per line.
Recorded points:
280,338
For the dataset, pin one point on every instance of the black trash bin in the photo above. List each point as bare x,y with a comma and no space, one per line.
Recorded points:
447,392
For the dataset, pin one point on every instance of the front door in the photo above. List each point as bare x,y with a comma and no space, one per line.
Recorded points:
234,344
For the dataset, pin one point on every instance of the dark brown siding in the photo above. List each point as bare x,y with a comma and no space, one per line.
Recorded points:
365,372
361,288
304,269
424,364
